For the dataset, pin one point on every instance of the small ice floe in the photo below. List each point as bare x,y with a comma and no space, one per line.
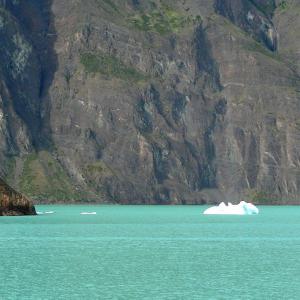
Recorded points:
45,212
88,213
243,208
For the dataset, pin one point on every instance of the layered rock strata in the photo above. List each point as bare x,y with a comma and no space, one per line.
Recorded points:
137,101
13,203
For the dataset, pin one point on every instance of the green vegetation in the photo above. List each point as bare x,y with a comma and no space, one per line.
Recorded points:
108,5
260,197
44,178
96,173
10,165
162,20
99,168
111,4
258,47
110,66
283,5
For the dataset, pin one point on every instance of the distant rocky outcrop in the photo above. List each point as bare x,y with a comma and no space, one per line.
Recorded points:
13,203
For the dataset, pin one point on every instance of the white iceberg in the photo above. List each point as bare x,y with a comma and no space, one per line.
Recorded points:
88,213
243,208
50,212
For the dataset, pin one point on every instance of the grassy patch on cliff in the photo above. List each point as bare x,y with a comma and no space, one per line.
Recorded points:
262,198
108,5
162,20
110,66
43,178
97,171
257,47
96,174
99,168
282,6
9,167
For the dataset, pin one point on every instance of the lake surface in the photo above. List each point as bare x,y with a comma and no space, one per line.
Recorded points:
150,252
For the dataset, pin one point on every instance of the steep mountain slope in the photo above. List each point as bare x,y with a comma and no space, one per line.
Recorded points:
135,101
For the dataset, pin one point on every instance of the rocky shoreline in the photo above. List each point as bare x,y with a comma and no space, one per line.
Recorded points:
13,203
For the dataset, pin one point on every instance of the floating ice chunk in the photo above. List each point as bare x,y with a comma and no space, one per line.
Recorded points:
88,213
251,209
45,212
243,208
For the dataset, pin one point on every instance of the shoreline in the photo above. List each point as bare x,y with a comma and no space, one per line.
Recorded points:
145,204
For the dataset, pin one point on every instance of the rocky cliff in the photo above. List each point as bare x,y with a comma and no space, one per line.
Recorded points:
13,203
163,101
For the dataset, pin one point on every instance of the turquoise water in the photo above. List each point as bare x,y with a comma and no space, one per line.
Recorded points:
150,252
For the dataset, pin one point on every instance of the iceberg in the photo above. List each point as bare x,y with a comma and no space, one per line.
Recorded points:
45,212
88,213
243,208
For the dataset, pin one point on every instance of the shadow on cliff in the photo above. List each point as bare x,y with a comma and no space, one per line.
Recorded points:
37,21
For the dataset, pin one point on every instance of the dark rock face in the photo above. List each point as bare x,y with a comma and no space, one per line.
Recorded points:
254,17
163,102
13,203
